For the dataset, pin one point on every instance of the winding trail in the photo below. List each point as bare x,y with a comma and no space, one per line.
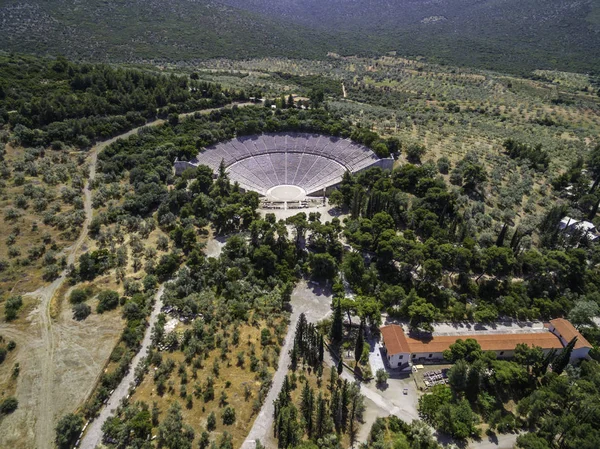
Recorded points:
42,346
45,416
93,435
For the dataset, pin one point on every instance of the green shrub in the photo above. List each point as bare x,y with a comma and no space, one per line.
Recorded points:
228,416
12,306
81,311
8,405
78,295
68,430
211,421
107,300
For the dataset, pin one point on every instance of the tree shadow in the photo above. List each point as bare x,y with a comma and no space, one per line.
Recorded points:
319,288
445,440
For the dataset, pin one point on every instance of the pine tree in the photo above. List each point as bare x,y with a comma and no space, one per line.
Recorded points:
337,329
360,343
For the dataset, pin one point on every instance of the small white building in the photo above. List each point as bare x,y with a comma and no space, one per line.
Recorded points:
396,346
583,227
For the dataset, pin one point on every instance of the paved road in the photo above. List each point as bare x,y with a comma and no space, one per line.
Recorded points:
502,441
93,434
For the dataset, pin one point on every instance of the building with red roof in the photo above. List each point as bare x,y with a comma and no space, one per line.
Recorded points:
401,350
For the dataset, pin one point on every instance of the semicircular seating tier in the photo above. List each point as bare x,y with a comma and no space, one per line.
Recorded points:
309,161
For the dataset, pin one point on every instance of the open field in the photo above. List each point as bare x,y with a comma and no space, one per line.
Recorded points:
238,382
41,206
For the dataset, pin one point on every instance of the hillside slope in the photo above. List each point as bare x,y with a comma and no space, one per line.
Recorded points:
151,29
496,34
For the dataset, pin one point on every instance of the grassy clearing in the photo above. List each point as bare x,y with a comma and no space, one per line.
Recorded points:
238,381
41,203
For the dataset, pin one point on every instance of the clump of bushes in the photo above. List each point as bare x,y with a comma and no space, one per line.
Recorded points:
79,295
12,306
107,300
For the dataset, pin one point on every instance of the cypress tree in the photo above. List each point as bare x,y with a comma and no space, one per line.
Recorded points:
321,348
360,342
337,330
344,403
294,357
340,367
305,398
332,378
321,417
547,361
307,408
300,333
563,358
352,431
336,409
502,235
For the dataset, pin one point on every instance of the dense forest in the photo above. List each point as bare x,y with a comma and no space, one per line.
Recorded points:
511,36
60,102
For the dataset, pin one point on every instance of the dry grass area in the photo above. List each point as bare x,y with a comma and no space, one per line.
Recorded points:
232,379
81,349
8,383
38,222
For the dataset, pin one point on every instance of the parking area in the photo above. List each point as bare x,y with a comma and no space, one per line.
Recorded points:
427,376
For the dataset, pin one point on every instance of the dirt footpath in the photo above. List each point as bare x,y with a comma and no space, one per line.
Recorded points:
79,352
93,435
60,359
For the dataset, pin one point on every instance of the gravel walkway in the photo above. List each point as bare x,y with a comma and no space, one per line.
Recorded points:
315,304
93,435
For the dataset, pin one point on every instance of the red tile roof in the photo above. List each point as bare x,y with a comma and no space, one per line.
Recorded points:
488,342
394,339
567,331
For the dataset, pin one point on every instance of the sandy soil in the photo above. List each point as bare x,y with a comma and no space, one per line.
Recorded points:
60,359
93,435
